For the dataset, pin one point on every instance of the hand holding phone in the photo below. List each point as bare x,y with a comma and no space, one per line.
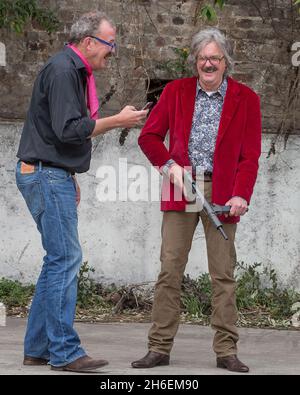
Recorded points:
148,105
124,132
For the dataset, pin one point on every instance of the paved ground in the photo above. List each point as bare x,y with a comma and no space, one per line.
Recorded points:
268,352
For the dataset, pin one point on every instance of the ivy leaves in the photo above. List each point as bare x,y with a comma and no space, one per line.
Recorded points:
14,14
297,2
208,12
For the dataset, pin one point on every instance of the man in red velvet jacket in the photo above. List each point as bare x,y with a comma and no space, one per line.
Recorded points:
214,125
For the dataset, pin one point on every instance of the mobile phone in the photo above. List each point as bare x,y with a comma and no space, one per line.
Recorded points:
148,105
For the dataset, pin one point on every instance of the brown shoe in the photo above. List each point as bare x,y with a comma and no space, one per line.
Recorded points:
152,359
33,361
82,365
232,363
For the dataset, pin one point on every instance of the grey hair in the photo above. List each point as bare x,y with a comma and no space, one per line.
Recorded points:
204,37
87,25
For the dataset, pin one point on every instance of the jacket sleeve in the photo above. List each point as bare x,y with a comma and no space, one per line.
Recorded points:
68,123
152,137
250,151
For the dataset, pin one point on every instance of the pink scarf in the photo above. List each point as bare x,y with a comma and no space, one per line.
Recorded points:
92,98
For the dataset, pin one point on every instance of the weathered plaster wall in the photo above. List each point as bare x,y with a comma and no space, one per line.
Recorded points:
121,240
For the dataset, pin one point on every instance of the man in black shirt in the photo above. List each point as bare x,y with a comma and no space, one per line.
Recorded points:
55,144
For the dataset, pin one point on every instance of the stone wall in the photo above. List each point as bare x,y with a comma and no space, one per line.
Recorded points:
148,30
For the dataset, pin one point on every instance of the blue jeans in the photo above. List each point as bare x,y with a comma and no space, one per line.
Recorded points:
50,195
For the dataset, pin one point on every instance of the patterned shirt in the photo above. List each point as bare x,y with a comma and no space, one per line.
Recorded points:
206,119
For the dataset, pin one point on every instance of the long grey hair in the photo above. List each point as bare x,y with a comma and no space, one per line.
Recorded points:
204,37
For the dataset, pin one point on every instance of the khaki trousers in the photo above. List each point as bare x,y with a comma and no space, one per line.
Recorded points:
177,234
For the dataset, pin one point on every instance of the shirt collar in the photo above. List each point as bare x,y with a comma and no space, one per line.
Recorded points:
221,90
77,61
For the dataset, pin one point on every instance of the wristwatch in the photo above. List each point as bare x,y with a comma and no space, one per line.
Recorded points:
166,166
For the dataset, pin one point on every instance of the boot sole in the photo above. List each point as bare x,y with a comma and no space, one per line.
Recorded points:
162,363
31,361
83,370
222,366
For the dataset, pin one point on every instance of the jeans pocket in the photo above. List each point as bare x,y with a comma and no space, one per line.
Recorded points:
33,197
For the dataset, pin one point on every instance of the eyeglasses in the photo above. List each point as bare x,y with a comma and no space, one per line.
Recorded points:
214,60
112,46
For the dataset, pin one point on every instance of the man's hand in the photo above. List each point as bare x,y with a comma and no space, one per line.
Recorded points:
127,118
176,177
130,117
78,194
238,205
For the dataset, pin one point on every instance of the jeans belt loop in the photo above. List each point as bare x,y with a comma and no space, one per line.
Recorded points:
40,165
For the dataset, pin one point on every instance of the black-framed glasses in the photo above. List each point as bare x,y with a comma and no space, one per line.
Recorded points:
112,46
214,60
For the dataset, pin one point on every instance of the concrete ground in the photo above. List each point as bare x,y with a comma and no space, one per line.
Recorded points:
267,352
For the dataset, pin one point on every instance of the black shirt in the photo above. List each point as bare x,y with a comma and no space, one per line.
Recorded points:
57,129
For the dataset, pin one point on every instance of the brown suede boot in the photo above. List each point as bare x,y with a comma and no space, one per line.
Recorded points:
152,359
82,365
232,363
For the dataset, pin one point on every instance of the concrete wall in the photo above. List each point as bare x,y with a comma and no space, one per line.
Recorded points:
122,240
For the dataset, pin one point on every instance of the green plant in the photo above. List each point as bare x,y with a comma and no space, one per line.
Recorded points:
208,12
196,297
13,293
88,295
192,306
260,300
248,284
86,286
260,289
14,14
177,68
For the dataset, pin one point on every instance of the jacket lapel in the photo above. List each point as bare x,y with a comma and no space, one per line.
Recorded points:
232,99
188,97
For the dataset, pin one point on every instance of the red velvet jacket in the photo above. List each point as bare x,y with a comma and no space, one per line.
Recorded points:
238,144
